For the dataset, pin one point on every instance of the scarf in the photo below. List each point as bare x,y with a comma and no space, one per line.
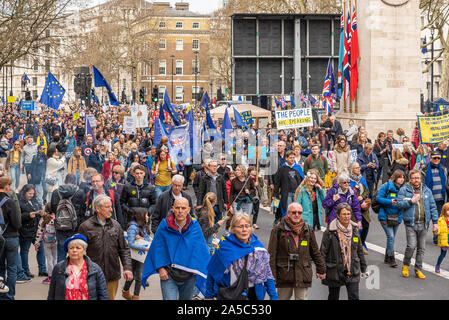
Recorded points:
344,236
296,227
429,180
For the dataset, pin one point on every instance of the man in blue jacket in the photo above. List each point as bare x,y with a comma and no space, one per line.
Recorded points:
369,165
418,208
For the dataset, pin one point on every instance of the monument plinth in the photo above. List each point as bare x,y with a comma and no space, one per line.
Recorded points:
388,96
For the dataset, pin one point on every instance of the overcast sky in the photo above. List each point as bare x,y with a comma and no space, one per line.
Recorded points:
200,6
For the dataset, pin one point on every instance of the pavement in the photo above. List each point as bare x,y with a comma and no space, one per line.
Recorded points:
384,283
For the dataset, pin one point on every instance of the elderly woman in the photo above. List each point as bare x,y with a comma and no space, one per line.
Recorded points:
358,183
310,195
390,216
341,192
343,253
77,277
237,251
117,180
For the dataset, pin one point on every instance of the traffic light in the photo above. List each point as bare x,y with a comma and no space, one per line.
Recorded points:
155,95
141,95
92,94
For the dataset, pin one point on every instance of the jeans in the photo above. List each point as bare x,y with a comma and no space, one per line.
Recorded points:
27,170
171,289
391,234
442,255
24,253
244,208
137,277
351,287
218,214
40,192
8,265
161,189
62,237
416,239
15,175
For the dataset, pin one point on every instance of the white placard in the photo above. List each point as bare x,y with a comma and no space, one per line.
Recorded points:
129,126
296,118
353,155
399,146
138,255
92,120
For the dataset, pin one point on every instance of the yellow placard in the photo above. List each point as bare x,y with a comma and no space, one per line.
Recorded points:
433,129
11,99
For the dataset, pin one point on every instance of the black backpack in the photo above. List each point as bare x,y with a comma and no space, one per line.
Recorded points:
65,217
3,224
374,204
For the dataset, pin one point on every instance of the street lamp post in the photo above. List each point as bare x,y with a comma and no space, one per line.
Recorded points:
432,30
172,57
151,79
196,76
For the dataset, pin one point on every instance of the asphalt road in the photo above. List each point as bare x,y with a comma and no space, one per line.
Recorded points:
385,283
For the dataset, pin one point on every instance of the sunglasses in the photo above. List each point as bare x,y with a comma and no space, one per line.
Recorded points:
436,158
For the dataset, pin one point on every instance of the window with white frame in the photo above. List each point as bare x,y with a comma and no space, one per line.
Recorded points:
195,44
162,44
195,66
179,93
179,67
195,92
161,92
162,67
179,44
179,25
195,25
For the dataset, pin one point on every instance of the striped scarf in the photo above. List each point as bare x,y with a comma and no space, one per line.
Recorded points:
344,236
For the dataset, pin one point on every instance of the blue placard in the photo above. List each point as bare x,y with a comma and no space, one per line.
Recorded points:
27,105
247,117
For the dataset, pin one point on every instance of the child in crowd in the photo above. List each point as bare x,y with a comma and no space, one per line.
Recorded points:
47,232
443,235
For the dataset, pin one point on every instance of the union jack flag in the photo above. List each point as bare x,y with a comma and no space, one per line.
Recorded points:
282,102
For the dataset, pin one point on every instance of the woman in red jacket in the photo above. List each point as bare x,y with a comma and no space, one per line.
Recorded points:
108,165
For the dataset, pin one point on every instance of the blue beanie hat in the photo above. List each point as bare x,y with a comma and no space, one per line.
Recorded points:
74,237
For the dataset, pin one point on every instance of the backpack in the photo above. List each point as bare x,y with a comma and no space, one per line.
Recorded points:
310,159
50,233
3,224
374,204
65,217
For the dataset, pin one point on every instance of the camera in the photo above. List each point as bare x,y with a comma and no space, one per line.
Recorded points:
293,257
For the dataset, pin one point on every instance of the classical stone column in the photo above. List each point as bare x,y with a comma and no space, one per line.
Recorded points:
389,69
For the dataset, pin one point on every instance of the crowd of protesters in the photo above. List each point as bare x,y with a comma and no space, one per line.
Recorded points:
81,190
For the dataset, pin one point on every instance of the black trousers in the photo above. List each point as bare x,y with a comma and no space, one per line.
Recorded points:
352,289
187,172
256,208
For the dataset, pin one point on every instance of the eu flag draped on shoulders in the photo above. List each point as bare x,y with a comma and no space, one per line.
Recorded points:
185,251
100,81
231,249
53,92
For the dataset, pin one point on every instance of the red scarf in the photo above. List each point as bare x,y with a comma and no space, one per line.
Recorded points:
76,288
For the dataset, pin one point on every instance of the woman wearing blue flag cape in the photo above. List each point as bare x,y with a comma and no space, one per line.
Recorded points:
228,261
179,254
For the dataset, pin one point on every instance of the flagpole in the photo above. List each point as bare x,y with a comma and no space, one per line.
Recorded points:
356,93
350,47
343,77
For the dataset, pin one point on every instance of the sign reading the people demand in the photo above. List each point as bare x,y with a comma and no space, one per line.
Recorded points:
433,129
296,118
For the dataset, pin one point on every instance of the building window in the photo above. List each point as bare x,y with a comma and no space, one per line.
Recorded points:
162,67
195,66
161,92
179,67
195,92
162,25
47,48
36,65
162,44
179,25
34,94
179,44
195,44
179,93
47,33
195,25
144,69
47,66
34,81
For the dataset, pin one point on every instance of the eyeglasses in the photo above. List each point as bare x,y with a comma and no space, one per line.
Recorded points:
296,212
345,182
116,172
244,226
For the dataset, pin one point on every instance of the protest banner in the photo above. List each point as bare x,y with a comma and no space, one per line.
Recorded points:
296,118
92,120
353,155
138,255
129,126
433,129
27,105
247,117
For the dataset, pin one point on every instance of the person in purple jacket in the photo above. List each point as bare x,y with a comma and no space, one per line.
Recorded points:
341,192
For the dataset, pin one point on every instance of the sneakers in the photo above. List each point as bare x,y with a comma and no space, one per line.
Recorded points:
29,274
3,287
24,280
437,268
405,272
46,280
43,274
419,274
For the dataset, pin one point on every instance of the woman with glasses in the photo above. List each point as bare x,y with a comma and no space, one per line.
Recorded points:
13,165
342,193
343,253
237,251
117,180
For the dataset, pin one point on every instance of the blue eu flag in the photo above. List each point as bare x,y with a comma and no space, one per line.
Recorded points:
53,92
100,81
